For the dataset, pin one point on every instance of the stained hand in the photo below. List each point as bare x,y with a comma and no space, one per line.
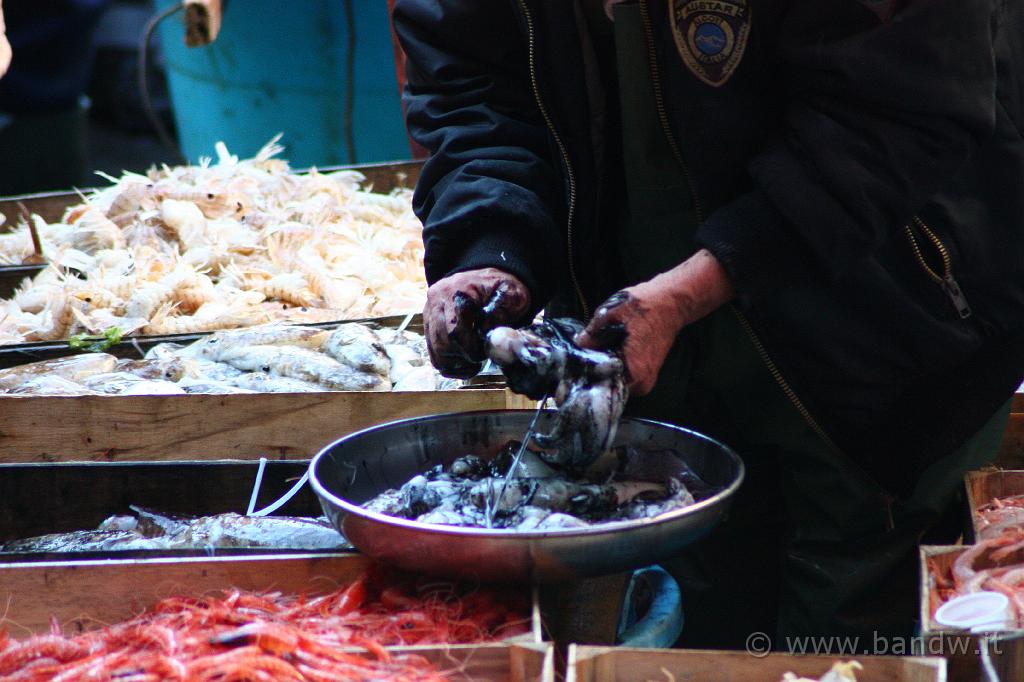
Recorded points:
642,321
461,308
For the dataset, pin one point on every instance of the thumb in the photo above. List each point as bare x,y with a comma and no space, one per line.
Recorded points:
603,334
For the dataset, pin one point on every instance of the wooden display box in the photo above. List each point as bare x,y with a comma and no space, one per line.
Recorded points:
84,594
983,486
961,649
80,496
1011,455
616,664
241,426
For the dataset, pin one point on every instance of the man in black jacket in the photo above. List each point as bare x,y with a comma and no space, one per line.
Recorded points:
811,216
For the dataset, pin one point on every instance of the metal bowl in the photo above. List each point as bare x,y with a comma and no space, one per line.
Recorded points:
359,466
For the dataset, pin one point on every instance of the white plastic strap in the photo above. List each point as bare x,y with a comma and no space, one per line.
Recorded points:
277,504
256,486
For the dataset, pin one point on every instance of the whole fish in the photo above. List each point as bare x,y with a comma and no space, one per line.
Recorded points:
358,347
73,368
219,345
84,541
166,368
150,530
47,385
236,530
198,386
304,364
258,382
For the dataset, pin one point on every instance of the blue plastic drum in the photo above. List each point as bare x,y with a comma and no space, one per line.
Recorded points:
281,67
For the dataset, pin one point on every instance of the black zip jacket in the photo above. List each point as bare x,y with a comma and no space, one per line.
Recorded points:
860,176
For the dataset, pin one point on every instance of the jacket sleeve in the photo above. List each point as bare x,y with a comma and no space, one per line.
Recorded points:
877,121
489,195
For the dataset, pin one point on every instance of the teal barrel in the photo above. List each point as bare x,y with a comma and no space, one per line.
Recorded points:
281,67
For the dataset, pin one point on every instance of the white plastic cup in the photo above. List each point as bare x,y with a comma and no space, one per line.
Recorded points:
978,612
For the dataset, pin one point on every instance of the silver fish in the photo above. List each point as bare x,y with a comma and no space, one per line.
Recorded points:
53,386
221,344
151,530
73,368
258,382
304,364
166,368
235,530
358,347
84,541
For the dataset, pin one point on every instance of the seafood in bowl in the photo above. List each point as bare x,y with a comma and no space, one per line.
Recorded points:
540,496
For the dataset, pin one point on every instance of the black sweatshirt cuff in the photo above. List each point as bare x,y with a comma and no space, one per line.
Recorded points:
755,243
497,250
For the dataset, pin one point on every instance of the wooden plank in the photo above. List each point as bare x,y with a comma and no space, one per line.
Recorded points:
206,427
490,662
960,649
1011,454
611,664
81,594
984,486
1018,403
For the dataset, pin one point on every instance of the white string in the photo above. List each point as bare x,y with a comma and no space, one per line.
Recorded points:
256,486
284,498
406,322
986,658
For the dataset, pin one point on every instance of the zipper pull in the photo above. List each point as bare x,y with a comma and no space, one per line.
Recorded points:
956,295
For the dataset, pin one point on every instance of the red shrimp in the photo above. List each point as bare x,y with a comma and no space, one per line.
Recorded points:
40,646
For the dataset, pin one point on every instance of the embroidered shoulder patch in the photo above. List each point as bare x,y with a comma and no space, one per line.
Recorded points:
711,36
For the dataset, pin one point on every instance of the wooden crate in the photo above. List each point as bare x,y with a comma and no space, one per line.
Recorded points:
616,664
491,662
985,485
962,650
240,426
1011,454
84,594
80,496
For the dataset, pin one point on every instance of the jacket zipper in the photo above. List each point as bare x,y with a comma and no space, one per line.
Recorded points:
783,384
659,101
946,279
531,41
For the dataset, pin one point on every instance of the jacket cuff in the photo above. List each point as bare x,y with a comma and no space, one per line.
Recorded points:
755,243
497,250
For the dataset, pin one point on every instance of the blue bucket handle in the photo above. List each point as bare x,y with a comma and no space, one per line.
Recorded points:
660,626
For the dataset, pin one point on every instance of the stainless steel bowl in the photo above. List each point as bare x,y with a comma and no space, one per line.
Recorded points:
356,468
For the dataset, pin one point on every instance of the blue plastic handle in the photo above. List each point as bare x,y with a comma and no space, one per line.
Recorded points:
660,626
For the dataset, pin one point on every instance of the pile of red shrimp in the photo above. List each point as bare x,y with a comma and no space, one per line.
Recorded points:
270,636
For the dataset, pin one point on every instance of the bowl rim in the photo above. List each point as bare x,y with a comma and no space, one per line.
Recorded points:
505,533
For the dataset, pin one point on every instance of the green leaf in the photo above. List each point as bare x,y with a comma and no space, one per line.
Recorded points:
96,344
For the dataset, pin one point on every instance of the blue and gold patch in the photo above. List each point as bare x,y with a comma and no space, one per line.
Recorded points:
711,36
